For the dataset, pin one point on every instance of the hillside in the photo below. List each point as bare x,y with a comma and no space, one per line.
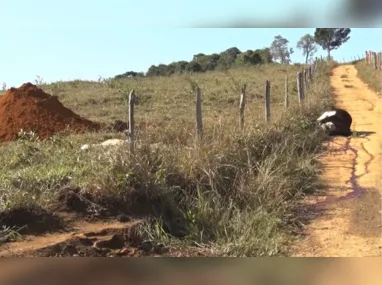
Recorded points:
235,194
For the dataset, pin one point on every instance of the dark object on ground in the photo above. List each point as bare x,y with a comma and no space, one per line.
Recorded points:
337,122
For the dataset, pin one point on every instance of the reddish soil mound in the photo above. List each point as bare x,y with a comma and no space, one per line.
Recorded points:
31,109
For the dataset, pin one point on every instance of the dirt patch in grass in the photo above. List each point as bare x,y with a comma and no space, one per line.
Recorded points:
124,242
31,221
101,206
121,208
129,241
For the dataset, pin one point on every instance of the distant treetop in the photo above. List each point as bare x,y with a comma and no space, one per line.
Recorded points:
201,62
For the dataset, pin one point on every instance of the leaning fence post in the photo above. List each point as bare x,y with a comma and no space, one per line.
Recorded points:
131,120
242,106
300,90
199,122
267,100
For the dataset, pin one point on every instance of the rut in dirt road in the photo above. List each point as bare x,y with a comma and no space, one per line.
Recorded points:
351,217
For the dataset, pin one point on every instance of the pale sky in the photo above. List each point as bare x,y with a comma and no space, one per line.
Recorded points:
70,39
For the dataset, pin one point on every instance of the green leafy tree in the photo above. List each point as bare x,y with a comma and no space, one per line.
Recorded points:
129,74
228,57
207,62
180,66
331,38
308,46
159,70
265,54
280,51
193,66
197,56
248,58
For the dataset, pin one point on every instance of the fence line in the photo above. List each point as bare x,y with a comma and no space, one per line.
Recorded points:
374,59
303,81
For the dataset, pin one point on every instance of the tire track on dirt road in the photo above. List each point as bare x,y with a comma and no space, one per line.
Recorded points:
350,218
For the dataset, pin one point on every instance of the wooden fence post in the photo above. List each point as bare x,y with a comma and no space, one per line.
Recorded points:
300,90
242,106
199,122
267,100
370,58
367,57
305,74
310,73
375,60
131,120
286,93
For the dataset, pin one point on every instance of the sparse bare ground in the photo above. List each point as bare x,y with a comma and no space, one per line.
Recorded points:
235,194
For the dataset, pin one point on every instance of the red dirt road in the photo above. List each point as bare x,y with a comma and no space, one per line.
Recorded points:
351,222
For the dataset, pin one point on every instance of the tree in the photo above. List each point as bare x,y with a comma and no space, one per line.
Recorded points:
308,46
207,62
280,51
196,56
265,54
248,58
193,66
332,38
180,66
129,74
228,57
160,70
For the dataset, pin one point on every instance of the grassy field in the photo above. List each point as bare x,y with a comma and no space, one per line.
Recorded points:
237,193
369,75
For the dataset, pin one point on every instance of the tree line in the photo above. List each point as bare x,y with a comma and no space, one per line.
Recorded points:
279,51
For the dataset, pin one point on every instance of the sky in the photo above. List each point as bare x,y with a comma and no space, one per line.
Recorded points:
86,40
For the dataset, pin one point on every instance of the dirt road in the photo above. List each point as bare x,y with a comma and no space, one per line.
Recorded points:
350,224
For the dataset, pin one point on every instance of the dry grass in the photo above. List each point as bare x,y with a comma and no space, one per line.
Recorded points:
237,192
369,75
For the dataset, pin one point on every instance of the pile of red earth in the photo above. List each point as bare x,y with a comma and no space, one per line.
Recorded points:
31,109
